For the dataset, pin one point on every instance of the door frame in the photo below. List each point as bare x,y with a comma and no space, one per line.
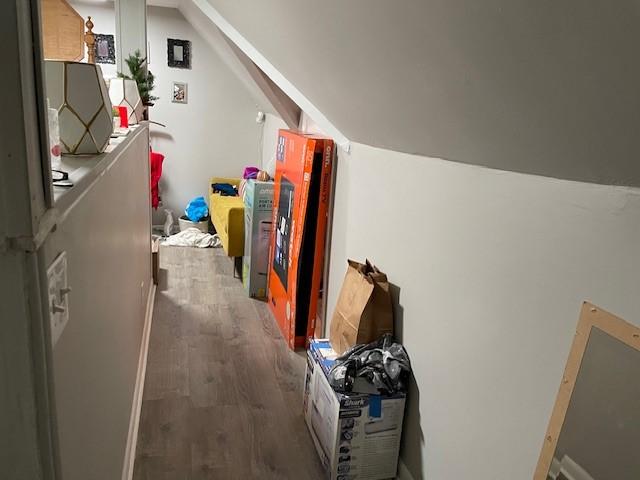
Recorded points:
27,217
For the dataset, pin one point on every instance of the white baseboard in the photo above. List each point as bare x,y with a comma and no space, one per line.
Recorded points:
132,437
403,472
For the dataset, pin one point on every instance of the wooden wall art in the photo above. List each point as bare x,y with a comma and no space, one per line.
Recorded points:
62,31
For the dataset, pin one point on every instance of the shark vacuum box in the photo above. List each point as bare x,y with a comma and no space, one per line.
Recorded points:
357,436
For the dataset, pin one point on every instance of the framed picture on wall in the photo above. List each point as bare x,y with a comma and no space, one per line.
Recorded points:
179,93
178,53
105,49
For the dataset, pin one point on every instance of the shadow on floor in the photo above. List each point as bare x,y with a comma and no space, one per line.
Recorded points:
163,280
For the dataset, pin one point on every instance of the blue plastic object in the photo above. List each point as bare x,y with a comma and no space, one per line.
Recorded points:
197,210
375,406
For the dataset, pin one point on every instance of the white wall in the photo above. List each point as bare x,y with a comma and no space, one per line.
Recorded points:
105,234
215,133
270,129
26,449
103,17
19,443
492,268
131,29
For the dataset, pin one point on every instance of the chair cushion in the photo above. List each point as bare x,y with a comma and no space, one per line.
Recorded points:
227,216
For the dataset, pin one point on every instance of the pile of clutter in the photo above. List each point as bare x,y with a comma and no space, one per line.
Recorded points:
356,382
380,367
194,227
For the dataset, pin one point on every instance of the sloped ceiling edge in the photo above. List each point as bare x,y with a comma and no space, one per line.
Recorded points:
269,70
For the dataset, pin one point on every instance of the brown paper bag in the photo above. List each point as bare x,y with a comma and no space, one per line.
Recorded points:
364,310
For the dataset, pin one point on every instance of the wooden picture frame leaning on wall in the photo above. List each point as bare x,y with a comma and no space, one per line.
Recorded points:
591,317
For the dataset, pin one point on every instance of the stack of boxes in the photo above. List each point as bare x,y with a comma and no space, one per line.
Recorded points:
357,436
300,207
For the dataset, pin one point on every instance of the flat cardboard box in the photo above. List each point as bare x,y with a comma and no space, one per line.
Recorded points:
357,436
258,205
296,258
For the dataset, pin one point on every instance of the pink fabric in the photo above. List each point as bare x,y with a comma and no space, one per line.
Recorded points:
250,172
155,159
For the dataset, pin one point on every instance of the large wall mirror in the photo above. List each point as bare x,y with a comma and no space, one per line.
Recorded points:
594,432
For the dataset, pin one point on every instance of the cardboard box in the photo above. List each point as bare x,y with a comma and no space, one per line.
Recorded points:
357,436
258,206
296,258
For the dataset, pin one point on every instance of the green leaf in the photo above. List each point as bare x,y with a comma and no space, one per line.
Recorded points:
143,78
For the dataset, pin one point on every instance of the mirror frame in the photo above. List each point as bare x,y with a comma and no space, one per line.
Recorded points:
186,53
591,317
110,57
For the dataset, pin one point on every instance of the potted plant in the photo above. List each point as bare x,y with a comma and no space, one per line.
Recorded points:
143,78
115,113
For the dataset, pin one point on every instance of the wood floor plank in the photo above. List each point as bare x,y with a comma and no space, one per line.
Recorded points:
164,449
220,447
223,392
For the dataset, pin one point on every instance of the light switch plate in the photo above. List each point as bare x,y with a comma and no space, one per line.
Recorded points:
58,296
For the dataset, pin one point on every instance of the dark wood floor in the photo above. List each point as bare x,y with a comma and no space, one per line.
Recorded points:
223,393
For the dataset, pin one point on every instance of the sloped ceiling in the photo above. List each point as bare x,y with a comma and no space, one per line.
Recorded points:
549,88
217,42
267,94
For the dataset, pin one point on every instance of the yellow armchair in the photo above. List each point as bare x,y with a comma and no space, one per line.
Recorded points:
227,216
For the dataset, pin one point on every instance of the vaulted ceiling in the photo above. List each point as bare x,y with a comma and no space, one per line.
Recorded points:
549,88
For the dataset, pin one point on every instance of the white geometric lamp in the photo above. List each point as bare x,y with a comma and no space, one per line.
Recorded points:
124,92
79,93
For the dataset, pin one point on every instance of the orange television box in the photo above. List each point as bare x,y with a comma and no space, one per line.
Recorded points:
296,259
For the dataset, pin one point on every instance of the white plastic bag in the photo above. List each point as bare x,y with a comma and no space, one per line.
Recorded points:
54,138
192,237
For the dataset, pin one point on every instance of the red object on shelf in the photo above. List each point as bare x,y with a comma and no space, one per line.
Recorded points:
124,116
155,160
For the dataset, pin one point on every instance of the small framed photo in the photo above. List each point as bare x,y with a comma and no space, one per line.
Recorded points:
105,49
179,94
178,53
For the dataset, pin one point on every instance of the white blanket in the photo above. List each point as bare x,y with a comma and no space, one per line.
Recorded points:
192,237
